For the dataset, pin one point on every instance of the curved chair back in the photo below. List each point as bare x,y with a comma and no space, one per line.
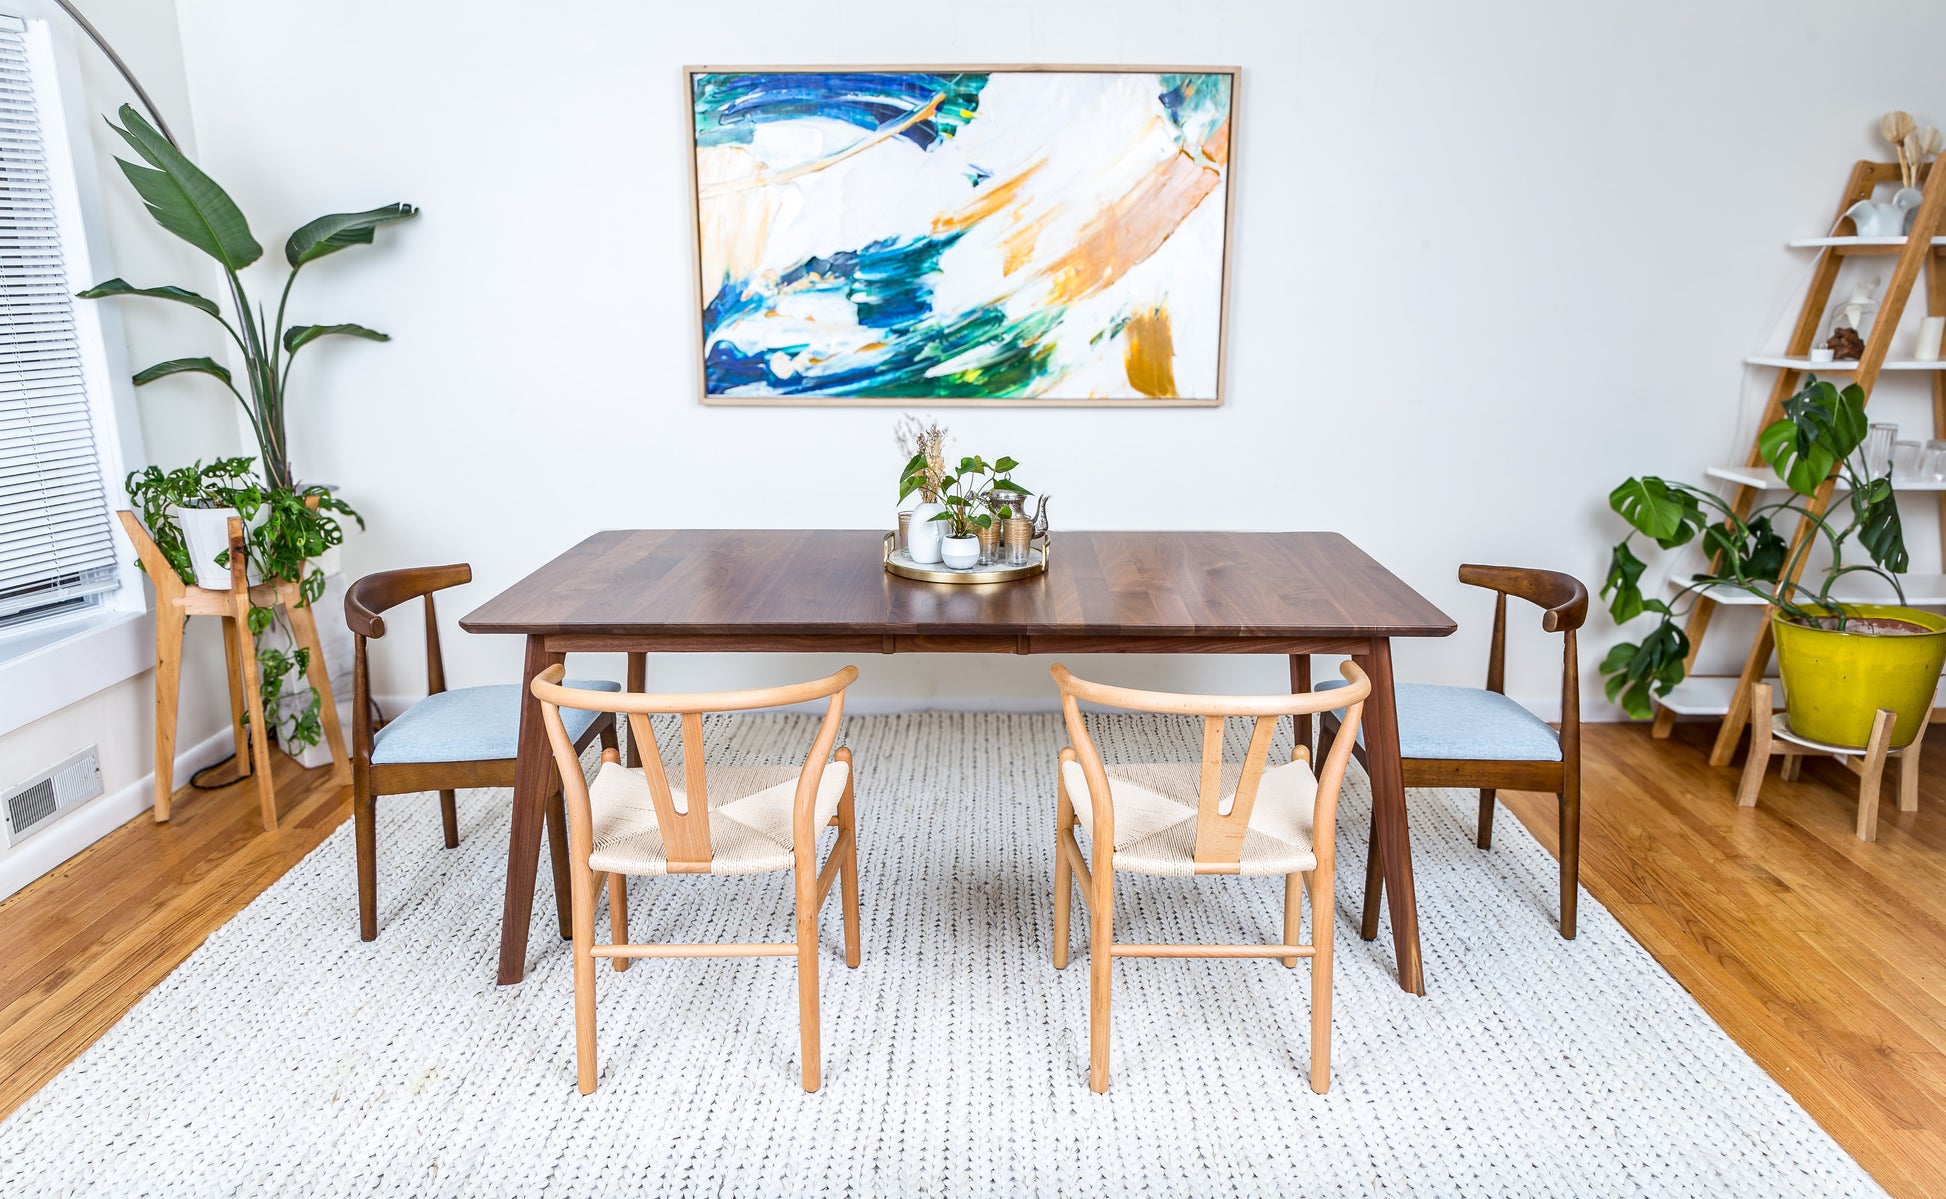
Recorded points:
684,826
1219,832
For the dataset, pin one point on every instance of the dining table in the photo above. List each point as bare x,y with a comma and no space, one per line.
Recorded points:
773,591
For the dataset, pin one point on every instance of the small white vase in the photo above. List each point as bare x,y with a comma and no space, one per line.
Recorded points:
923,534
206,531
960,552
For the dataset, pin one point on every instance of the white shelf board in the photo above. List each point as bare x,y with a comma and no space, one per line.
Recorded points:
1709,695
1921,591
1762,479
1842,365
1818,243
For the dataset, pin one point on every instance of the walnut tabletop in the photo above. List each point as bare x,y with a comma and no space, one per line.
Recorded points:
783,591
627,584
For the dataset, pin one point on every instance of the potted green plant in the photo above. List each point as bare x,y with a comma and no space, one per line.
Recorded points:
1840,662
284,530
924,468
963,496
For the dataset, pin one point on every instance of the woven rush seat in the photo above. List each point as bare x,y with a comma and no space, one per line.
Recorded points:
749,817
1155,815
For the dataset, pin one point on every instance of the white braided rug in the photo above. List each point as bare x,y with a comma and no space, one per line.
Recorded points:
287,1058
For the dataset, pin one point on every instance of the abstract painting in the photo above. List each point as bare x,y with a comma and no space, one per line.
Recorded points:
962,235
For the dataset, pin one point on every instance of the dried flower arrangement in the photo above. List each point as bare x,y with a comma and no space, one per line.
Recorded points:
917,439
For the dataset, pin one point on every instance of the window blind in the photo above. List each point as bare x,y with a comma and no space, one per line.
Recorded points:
55,545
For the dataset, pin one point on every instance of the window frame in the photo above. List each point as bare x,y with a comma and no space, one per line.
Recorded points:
50,663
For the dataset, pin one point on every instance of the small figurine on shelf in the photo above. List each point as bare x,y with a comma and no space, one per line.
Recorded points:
1849,322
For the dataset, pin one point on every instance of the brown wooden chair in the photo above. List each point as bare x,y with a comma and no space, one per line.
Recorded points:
1463,737
461,738
176,600
1188,818
721,820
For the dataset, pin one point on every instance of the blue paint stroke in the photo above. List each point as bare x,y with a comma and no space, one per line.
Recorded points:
1197,105
729,107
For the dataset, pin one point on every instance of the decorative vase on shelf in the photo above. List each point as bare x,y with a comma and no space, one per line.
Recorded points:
1885,219
961,552
923,533
1908,199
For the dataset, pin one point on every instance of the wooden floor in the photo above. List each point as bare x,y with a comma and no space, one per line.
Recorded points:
1823,956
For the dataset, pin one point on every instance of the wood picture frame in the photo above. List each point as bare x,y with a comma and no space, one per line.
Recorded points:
1062,301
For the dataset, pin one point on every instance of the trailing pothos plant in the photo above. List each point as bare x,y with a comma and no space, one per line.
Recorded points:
964,492
290,533
1819,432
189,204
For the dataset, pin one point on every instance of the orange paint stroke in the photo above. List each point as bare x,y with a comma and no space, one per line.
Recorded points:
1127,232
986,201
1150,354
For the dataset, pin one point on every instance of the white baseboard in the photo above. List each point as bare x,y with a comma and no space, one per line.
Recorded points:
77,830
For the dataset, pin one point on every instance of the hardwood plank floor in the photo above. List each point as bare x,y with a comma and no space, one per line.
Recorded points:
1824,957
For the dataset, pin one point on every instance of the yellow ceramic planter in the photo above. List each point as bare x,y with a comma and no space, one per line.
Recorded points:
1835,683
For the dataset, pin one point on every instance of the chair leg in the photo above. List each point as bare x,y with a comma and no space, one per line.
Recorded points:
1570,804
1101,960
1293,913
1873,773
449,817
1484,838
364,817
1323,919
848,883
618,915
168,689
557,852
608,738
583,907
807,970
1063,873
253,696
1374,885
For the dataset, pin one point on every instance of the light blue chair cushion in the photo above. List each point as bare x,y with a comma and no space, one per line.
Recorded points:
1468,724
471,724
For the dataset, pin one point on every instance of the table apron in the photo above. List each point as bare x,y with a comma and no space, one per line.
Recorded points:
946,643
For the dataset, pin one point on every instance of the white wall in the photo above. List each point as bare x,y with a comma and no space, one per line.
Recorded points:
178,422
1489,260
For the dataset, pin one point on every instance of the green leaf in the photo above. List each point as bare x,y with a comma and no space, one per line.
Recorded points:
303,335
122,287
1820,428
1004,465
1624,569
1636,671
177,366
1880,531
1666,513
182,199
341,230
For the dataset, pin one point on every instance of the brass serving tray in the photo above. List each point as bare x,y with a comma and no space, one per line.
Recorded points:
898,562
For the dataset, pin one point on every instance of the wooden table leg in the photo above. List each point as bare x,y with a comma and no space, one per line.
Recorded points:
533,779
1381,724
1300,683
638,681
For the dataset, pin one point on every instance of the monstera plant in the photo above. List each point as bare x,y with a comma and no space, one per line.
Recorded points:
189,204
1820,431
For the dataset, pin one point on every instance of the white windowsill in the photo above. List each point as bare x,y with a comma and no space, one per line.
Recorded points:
45,668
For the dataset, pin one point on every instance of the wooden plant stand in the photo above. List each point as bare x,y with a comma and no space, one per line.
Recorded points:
175,602
1771,735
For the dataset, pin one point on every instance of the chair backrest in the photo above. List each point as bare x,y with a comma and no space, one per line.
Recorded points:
1563,602
1219,831
684,826
366,601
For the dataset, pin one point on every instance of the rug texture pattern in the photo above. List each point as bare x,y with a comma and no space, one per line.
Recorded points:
285,1057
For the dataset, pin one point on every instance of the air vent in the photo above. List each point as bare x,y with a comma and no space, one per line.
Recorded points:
35,804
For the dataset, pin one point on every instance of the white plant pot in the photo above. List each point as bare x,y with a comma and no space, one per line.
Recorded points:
923,534
206,531
960,552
